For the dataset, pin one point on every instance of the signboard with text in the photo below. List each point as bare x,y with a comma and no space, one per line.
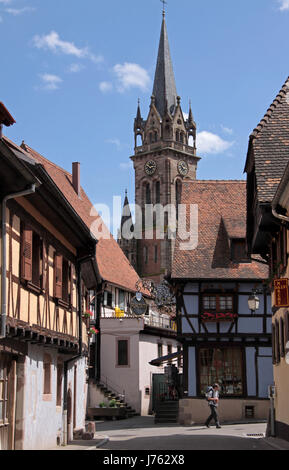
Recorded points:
281,293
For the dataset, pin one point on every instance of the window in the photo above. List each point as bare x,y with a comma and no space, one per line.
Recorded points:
169,352
31,259
160,350
218,303
47,374
158,192
224,366
121,299
178,196
238,251
4,375
146,254
62,279
122,352
156,253
148,194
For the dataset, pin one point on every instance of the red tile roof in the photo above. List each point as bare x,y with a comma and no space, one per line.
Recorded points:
113,265
221,216
270,144
5,116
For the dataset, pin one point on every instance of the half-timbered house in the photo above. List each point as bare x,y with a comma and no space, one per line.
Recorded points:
47,266
267,169
223,340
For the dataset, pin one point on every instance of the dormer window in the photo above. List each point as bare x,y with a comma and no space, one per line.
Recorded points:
239,251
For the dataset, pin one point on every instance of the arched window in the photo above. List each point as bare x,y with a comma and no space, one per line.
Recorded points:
151,137
148,194
178,196
182,137
156,136
158,192
177,136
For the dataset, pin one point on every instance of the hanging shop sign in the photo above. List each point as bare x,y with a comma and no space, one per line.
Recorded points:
138,305
281,293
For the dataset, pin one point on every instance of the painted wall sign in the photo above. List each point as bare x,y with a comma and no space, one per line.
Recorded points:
281,293
217,317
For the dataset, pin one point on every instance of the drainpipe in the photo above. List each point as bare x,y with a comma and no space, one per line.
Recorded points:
80,353
26,192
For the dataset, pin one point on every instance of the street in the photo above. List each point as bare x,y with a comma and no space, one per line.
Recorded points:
140,433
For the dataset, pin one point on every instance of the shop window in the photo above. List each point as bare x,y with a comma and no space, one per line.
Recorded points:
222,366
31,262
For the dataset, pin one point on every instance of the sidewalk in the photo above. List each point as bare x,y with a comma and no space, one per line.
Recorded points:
94,444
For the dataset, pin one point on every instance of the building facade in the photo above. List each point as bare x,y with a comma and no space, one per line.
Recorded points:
267,234
46,255
223,340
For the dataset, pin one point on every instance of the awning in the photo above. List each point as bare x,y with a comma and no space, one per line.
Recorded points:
169,357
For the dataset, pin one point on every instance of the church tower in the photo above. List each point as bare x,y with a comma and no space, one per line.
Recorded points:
164,154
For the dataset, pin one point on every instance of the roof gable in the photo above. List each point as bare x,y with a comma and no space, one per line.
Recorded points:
221,218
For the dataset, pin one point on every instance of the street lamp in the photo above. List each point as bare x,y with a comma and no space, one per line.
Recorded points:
253,302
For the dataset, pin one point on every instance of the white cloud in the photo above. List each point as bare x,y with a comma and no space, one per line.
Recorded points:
105,87
51,82
75,68
53,43
19,11
284,5
227,130
131,75
209,143
125,166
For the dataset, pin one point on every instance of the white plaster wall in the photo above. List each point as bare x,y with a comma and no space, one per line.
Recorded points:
148,347
125,378
42,419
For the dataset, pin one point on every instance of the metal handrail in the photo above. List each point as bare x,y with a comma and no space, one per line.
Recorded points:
111,386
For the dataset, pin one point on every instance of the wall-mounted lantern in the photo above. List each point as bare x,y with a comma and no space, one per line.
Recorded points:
254,302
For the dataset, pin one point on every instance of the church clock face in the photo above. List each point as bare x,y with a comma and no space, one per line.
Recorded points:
150,167
183,168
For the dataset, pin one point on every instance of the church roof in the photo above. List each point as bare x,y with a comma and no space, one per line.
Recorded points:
269,146
164,83
221,218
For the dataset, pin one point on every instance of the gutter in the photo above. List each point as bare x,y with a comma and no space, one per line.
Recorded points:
26,192
283,218
79,262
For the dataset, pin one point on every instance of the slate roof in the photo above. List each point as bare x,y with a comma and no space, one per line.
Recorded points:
113,265
164,82
221,216
270,144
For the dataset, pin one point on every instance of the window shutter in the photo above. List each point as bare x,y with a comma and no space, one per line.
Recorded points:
58,276
27,237
282,338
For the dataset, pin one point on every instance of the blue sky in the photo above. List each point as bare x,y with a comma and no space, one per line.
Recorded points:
72,72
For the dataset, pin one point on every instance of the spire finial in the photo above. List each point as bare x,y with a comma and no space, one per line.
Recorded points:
164,2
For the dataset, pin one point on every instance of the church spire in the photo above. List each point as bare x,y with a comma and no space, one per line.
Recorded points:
164,82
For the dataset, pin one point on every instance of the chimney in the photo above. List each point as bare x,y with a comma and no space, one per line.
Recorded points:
76,177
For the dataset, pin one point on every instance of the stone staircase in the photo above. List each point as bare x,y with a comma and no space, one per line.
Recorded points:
108,395
167,412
